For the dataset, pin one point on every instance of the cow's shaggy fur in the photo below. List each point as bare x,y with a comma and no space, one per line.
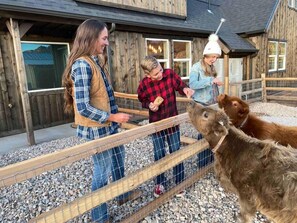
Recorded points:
262,173
241,117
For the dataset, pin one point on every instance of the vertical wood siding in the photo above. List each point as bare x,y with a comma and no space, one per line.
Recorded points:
127,51
46,107
11,117
175,8
284,28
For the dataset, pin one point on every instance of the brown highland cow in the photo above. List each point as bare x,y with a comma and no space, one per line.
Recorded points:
261,173
241,117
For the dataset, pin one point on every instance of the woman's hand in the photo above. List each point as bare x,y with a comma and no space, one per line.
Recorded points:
217,82
119,117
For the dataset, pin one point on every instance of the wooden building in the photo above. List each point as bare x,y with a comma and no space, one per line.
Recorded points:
36,36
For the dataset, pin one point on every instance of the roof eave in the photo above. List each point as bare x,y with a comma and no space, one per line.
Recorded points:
252,33
104,18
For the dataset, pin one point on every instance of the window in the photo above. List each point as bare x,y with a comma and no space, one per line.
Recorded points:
159,48
276,56
44,63
292,3
182,57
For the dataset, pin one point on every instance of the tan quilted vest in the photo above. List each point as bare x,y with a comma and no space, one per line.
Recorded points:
98,96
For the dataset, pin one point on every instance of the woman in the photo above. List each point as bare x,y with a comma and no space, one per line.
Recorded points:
203,80
89,93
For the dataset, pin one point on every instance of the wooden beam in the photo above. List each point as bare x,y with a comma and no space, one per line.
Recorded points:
226,73
224,48
188,140
21,72
126,96
135,97
280,78
8,27
134,111
281,89
114,189
129,126
24,27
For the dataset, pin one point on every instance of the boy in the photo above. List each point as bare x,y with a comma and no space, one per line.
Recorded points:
156,92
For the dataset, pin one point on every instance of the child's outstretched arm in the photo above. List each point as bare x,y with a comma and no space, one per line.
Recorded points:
188,92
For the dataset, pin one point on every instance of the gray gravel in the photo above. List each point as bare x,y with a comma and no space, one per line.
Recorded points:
204,202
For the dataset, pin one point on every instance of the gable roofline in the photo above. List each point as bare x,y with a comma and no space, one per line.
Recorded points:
270,19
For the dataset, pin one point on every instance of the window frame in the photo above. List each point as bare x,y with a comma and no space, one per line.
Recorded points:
189,60
165,61
292,4
170,52
277,55
282,56
45,43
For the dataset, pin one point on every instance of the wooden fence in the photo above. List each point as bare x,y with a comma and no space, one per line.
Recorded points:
28,169
266,89
25,170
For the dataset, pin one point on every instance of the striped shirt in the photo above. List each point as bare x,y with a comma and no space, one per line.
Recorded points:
81,74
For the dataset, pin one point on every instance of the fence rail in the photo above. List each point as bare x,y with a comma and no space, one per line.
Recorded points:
21,171
18,172
265,89
112,190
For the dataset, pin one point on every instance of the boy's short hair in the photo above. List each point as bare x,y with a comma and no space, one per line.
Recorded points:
149,63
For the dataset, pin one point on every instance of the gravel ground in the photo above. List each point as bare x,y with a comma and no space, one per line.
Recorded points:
204,202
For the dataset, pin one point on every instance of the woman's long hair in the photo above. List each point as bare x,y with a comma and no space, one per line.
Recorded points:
86,36
208,70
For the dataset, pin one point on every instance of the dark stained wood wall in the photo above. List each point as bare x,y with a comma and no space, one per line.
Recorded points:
127,50
11,117
197,49
46,106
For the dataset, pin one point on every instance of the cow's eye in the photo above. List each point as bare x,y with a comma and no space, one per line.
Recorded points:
205,114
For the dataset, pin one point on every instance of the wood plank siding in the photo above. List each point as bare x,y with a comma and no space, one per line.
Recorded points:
127,47
173,8
282,28
11,114
47,108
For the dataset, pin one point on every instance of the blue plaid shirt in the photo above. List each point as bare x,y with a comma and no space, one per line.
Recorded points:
81,74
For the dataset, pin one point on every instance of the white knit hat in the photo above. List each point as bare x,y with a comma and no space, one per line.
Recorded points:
212,47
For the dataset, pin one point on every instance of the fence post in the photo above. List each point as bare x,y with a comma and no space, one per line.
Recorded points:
264,93
226,85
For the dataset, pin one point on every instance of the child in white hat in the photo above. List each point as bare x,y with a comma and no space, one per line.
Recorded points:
203,76
203,80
